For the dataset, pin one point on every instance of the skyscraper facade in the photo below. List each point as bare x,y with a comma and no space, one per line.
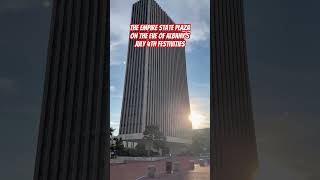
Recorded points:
72,134
155,90
233,138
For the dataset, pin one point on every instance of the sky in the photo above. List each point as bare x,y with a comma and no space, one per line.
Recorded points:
197,54
283,57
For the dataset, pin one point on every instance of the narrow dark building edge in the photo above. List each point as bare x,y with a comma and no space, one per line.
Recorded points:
64,150
228,131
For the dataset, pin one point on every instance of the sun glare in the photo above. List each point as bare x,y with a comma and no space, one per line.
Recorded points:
196,119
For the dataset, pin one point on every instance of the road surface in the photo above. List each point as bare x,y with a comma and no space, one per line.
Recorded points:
137,171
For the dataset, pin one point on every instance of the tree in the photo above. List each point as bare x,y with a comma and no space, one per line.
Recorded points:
141,149
140,146
201,141
112,146
118,144
111,132
154,137
110,138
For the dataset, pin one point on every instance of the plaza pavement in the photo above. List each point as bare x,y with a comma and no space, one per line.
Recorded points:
137,171
199,173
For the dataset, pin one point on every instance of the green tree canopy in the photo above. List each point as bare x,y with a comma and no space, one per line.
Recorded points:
155,136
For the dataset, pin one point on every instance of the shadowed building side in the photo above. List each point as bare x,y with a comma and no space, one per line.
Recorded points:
234,149
72,134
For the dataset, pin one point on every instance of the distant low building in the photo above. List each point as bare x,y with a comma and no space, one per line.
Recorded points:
126,144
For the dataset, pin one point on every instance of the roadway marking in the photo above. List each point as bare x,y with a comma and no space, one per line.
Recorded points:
141,177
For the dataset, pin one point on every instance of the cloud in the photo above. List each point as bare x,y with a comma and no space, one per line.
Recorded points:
120,13
190,11
181,11
112,88
115,122
116,97
200,108
201,85
200,102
